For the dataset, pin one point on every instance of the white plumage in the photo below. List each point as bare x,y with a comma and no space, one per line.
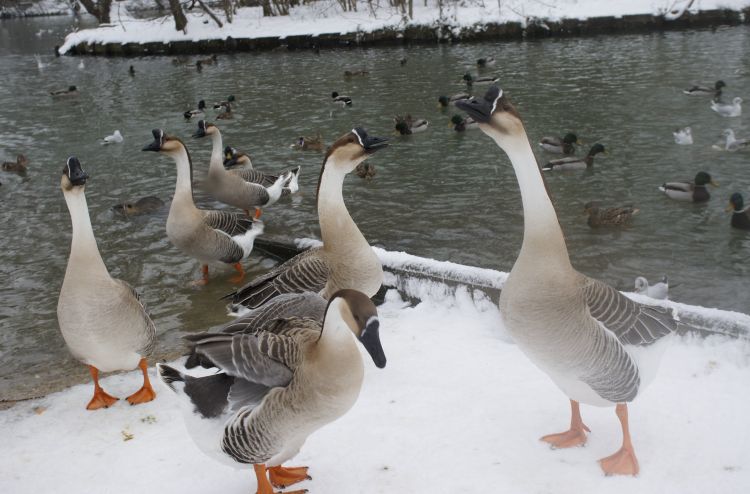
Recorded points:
728,110
683,136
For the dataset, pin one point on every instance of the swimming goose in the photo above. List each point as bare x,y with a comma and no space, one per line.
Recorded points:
345,260
557,145
144,205
309,143
226,114
571,163
244,188
591,340
740,214
471,80
731,143
409,125
115,138
728,110
486,62
341,100
64,93
444,101
461,124
197,112
102,319
683,136
204,235
694,191
230,99
706,91
658,291
19,166
599,216
277,386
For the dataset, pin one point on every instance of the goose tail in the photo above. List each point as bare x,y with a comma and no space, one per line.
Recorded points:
293,183
247,239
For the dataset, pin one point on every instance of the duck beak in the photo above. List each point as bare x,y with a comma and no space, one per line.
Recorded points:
74,172
156,145
715,184
481,109
729,208
370,339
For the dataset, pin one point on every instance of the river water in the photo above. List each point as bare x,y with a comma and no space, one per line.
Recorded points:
439,194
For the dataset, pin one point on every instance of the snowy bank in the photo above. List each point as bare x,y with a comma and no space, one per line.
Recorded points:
323,23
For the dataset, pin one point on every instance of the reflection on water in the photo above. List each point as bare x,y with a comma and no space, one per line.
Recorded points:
438,194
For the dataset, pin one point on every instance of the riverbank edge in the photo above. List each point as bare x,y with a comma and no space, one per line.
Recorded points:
427,34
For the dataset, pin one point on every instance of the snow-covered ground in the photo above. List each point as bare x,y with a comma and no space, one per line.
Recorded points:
458,409
325,17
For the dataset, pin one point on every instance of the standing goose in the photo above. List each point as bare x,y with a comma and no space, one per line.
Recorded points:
694,191
345,260
102,319
279,385
572,163
559,145
740,212
205,235
590,339
246,188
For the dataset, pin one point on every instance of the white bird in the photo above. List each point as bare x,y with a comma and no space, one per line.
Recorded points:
659,290
115,138
683,136
730,142
39,64
81,65
727,110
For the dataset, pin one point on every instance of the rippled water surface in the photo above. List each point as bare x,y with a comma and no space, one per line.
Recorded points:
439,194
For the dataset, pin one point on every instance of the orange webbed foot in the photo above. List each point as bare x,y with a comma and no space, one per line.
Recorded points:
568,439
240,276
285,476
143,395
101,400
623,462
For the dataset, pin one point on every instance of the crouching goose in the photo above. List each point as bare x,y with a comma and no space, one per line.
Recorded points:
345,260
245,188
102,319
572,163
278,385
557,145
205,235
694,191
591,340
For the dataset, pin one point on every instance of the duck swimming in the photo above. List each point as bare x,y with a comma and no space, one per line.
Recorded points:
731,143
728,110
64,93
226,114
197,112
683,136
341,100
115,138
461,124
572,163
309,143
706,91
230,100
603,217
740,212
694,191
471,80
19,166
557,145
409,125
445,101
144,205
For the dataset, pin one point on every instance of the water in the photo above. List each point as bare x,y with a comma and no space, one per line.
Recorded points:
438,194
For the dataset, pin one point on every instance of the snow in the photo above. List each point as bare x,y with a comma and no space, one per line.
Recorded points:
326,17
457,409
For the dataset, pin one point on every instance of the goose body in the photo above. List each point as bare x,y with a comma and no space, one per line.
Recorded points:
340,99
706,91
694,191
207,236
19,166
659,290
115,138
409,125
278,384
603,217
740,212
345,260
728,110
559,145
102,319
683,136
198,112
572,163
598,346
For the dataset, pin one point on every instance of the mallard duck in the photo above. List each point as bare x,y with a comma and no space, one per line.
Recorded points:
204,235
115,138
728,110
740,212
341,100
445,101
64,93
277,386
571,163
230,100
689,191
144,205
706,91
19,166
345,260
597,345
471,80
731,143
226,114
486,62
557,145
461,124
309,143
658,291
410,125
355,73
102,319
599,217
365,170
197,112
683,136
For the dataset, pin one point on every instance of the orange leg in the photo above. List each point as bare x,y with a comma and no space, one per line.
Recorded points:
624,461
283,477
100,399
576,436
258,212
240,276
204,280
146,393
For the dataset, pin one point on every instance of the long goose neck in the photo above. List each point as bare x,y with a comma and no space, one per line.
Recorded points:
336,346
337,228
183,190
83,248
216,164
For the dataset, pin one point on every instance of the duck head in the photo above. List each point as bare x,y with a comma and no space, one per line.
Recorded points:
468,78
496,116
334,95
703,179
596,149
736,203
444,101
204,129
361,316
591,207
73,176
403,128
456,119
202,105
719,85
570,138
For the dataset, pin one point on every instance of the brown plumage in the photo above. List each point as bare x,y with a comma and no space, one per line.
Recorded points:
599,216
18,166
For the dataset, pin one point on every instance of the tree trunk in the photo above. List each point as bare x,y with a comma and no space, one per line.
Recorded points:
100,9
180,21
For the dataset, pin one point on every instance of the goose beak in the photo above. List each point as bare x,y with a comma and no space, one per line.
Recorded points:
370,339
156,145
201,132
370,143
481,109
74,172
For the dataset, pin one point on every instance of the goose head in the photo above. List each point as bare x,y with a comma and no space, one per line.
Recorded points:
736,202
496,116
359,314
73,176
205,129
703,179
353,148
164,143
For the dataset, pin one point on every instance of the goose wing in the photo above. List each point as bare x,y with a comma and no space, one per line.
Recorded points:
302,305
256,177
133,300
227,222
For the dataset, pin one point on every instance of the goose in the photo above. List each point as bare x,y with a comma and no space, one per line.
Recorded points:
683,136
230,100
740,212
731,143
461,124
226,114
593,342
706,91
197,112
102,319
728,110
65,93
234,159
345,260
144,205
204,235
115,138
694,191
557,145
245,188
341,100
471,80
445,101
571,163
658,291
309,143
409,125
277,385
486,62
19,166
599,216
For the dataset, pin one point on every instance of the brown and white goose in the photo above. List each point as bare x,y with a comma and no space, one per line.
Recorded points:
345,260
102,319
598,346
205,235
278,385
